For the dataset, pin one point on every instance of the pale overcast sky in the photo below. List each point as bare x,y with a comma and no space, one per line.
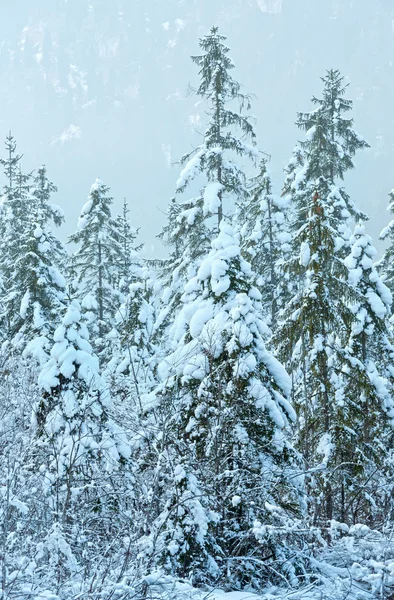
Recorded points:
97,88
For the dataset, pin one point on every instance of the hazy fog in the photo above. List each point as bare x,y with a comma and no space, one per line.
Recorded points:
98,88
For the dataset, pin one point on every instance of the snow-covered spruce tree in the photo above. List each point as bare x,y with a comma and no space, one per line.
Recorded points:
135,353
212,165
327,151
37,277
31,255
132,347
42,190
39,266
14,208
386,263
366,403
338,143
131,376
82,463
96,261
334,330
11,167
128,259
265,239
308,337
228,131
314,328
228,471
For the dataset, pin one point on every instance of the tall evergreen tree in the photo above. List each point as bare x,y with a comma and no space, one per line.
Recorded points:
135,353
336,143
386,263
11,166
42,284
78,451
214,165
313,330
128,259
265,237
31,255
14,208
367,404
42,190
228,460
96,260
307,337
219,90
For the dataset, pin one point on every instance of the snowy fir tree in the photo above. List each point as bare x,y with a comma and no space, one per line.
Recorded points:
77,446
10,166
31,255
341,141
307,333
128,259
96,261
228,131
15,206
386,263
265,237
75,400
312,336
42,285
134,349
366,402
223,401
335,142
42,190
214,165
329,130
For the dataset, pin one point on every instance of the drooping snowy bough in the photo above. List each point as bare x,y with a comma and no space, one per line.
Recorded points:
232,476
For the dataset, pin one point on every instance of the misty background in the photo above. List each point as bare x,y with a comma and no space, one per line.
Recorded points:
98,88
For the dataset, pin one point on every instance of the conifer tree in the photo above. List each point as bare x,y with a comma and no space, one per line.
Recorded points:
214,165
74,395
218,88
42,190
79,450
14,208
128,260
313,330
11,166
366,404
265,237
386,263
225,413
338,142
42,284
96,261
135,352
32,257
310,325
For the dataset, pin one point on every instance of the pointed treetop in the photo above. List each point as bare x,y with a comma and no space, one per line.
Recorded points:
12,161
327,128
42,190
